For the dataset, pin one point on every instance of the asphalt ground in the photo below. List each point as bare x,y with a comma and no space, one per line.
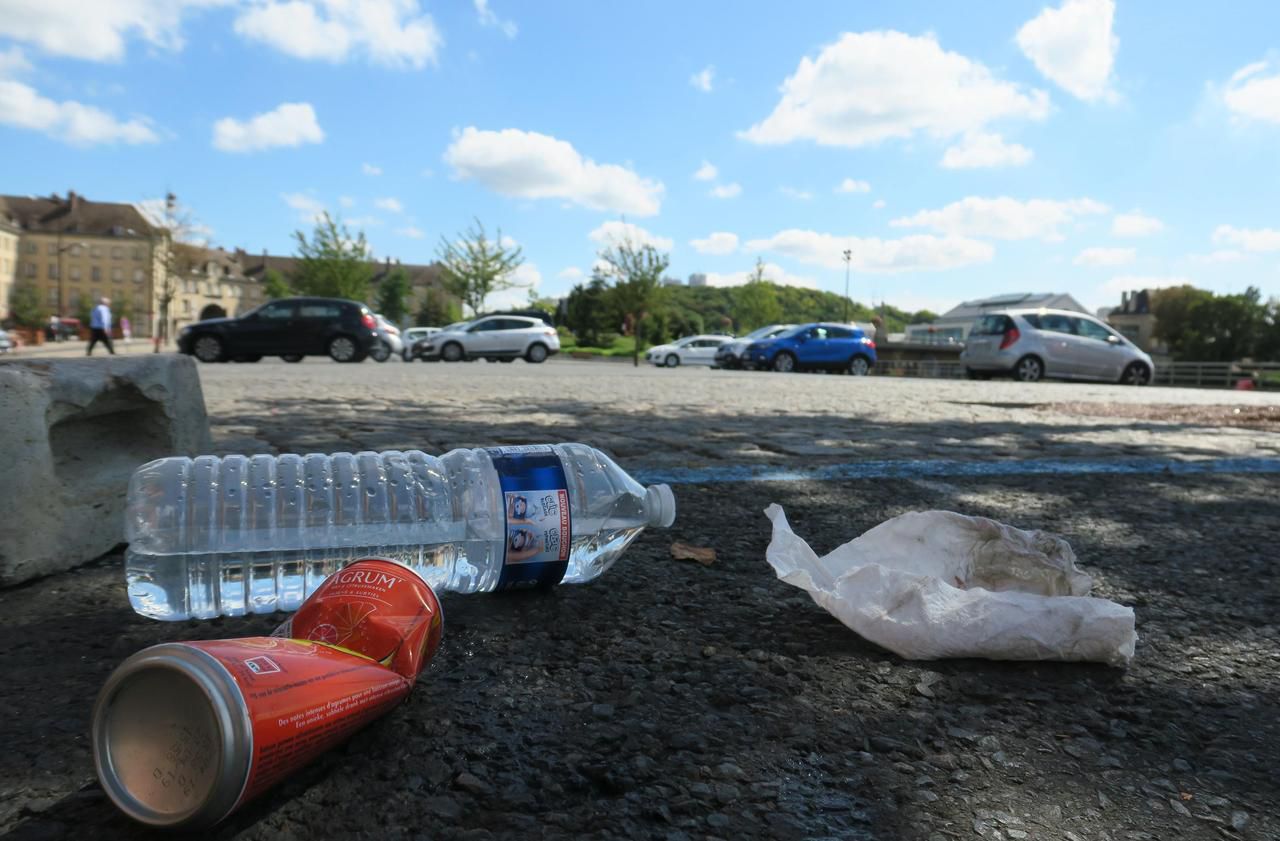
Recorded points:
675,700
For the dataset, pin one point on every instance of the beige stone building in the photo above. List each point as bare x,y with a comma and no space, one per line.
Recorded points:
210,283
1136,322
10,237
73,251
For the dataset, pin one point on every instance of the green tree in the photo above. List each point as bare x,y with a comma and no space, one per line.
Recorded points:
475,266
83,306
548,305
437,310
756,302
588,312
1269,341
922,317
25,306
636,271
332,263
393,292
1172,309
274,285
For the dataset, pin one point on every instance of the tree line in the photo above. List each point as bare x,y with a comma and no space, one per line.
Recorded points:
1199,326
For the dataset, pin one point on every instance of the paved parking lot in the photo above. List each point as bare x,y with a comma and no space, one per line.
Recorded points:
675,701
695,416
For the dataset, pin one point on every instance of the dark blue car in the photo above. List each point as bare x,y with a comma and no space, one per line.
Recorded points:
832,347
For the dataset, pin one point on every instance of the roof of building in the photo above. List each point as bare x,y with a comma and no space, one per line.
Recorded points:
75,215
970,310
1134,303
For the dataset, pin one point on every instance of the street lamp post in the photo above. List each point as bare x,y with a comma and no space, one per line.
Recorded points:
848,258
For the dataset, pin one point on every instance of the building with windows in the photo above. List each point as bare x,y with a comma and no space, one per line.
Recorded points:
209,283
73,251
1135,320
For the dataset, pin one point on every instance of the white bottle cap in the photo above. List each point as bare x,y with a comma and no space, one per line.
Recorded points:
660,502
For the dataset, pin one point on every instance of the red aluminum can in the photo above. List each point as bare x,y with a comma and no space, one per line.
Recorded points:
186,733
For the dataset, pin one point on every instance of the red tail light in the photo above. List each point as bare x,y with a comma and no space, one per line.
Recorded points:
367,321
1010,336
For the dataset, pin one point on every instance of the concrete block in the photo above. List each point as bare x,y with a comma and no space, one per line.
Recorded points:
72,431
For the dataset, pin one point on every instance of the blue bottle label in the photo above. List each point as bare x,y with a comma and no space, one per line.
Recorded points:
535,498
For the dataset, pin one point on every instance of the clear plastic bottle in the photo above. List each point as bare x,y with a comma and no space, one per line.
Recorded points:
254,534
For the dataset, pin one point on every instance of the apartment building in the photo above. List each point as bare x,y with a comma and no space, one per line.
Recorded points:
73,251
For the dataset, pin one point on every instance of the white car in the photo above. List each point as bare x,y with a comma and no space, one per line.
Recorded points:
390,341
6,344
412,336
495,338
691,350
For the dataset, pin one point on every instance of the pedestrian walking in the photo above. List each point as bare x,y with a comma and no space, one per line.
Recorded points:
100,327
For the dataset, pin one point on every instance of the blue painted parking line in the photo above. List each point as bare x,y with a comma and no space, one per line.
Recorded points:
938,468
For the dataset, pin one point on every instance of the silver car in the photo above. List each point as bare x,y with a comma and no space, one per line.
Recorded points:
1035,344
495,338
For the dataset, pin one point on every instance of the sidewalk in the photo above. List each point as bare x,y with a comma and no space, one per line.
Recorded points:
75,347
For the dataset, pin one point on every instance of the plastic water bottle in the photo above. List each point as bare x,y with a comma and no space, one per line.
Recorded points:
254,534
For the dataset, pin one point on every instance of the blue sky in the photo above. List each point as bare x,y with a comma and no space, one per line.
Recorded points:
1083,146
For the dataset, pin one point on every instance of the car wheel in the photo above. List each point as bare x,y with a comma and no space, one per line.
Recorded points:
536,354
859,366
1029,369
784,363
451,352
291,357
672,361
406,355
207,348
343,349
1136,374
381,352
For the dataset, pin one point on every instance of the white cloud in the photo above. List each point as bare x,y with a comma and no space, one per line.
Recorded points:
982,150
390,204
72,122
1074,47
529,165
290,124
704,79
726,191
358,222
873,86
96,31
571,273
1135,225
1135,283
370,169
309,208
1250,239
391,33
346,201
1105,257
1254,92
1003,217
616,233
871,254
489,18
878,204
772,272
798,195
851,185
719,242
411,232
706,172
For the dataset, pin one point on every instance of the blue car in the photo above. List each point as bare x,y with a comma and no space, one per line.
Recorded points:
832,347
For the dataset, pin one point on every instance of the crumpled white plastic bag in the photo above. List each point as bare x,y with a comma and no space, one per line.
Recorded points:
937,584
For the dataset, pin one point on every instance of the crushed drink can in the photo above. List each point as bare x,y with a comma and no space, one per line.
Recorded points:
186,733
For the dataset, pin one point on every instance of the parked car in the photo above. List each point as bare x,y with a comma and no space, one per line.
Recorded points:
290,328
412,336
730,354
6,343
1031,345
418,349
807,347
495,338
389,340
691,350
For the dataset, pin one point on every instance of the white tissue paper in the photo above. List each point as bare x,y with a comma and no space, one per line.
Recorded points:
937,584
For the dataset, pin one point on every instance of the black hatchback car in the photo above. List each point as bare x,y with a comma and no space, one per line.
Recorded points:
290,328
